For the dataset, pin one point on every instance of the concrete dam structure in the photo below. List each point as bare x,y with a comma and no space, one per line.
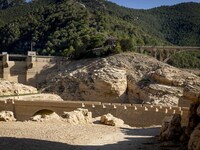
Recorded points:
27,69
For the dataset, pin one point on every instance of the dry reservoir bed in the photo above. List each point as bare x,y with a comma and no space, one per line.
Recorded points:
59,135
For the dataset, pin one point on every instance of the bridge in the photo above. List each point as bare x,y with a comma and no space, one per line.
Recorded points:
133,114
164,53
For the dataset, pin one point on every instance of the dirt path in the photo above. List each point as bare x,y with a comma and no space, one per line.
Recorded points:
63,136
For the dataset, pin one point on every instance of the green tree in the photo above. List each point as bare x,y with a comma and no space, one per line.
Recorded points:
127,44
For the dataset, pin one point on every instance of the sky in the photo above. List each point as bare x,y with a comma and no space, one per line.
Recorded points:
147,4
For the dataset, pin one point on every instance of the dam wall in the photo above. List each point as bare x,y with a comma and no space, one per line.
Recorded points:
30,70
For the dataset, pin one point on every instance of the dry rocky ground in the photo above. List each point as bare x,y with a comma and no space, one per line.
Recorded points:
126,77
73,130
76,130
11,88
59,135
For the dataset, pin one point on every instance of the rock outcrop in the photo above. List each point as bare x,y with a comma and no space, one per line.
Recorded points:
193,128
7,116
11,88
127,77
171,129
172,133
79,116
194,143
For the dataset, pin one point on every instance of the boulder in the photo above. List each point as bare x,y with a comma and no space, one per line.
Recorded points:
110,120
171,129
79,116
193,127
194,142
172,76
193,118
192,93
46,117
7,116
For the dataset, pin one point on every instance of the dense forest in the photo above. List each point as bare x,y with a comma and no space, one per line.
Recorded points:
89,28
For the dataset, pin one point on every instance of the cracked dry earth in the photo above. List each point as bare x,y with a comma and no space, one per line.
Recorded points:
60,135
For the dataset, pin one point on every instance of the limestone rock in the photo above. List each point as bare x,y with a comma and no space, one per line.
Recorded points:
194,142
79,116
192,93
198,111
7,116
171,128
11,88
126,77
45,115
110,120
193,118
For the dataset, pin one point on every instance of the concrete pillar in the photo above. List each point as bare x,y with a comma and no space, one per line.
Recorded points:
154,53
141,50
31,78
167,53
31,58
5,59
161,55
5,66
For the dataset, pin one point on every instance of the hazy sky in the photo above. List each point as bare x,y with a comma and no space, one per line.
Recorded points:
146,4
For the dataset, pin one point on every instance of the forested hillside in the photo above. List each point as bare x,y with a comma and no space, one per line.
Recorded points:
71,28
86,28
179,24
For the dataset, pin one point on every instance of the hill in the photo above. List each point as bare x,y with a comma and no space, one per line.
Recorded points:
179,24
63,28
86,28
122,78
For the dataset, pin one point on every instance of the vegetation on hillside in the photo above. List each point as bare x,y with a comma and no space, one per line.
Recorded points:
179,24
72,28
186,59
89,28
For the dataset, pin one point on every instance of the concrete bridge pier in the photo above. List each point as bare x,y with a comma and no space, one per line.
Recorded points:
141,50
154,54
160,55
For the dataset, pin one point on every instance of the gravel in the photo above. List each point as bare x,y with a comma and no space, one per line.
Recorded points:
59,135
